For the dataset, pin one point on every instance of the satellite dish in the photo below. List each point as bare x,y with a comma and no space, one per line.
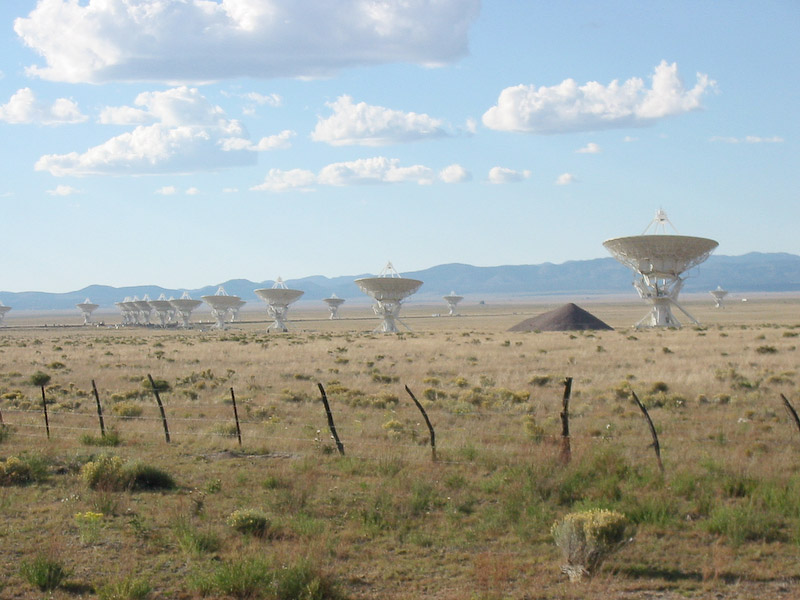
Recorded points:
452,300
183,308
3,310
164,310
334,302
130,312
87,307
145,309
278,299
388,290
221,305
659,261
718,294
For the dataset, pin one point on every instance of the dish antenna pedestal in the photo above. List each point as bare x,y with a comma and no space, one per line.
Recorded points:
278,299
183,308
3,310
334,302
719,295
388,290
222,305
129,310
144,308
452,302
164,310
659,261
87,307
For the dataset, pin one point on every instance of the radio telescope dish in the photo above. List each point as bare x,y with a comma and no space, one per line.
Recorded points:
145,309
3,310
452,300
388,290
183,308
659,261
278,299
221,305
718,294
130,312
87,307
334,302
163,309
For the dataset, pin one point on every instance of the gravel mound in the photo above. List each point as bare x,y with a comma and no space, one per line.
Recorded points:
568,317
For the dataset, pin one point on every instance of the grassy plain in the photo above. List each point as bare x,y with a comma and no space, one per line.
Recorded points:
385,521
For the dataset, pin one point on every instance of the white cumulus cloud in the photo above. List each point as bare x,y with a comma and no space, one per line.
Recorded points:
454,174
366,125
272,142
167,190
187,135
504,175
565,179
374,170
278,180
569,107
24,107
590,148
63,190
749,139
200,40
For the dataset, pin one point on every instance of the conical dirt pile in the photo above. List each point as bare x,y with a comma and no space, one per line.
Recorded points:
568,317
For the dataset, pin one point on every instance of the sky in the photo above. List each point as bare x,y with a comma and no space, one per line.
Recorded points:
184,143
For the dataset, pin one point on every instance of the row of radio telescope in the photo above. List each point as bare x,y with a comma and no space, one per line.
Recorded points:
659,261
388,290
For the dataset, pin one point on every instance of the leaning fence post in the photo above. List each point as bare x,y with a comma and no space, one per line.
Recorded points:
44,408
329,414
427,421
653,433
236,418
160,407
566,451
791,410
99,410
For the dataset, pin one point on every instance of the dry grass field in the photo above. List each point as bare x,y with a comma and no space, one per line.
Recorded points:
384,520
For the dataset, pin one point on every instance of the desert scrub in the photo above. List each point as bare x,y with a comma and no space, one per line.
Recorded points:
44,572
110,473
251,522
111,438
14,471
587,538
128,588
89,524
127,409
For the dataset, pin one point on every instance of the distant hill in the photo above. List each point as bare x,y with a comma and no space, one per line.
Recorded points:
754,272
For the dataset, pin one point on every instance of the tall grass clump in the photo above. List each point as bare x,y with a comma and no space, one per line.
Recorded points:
110,473
250,521
586,539
44,572
128,588
194,541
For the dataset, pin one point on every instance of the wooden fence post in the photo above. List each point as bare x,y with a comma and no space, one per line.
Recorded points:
329,414
427,421
160,407
44,408
566,451
99,410
236,418
653,433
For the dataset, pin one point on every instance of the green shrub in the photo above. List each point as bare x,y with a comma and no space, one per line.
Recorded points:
126,409
745,522
45,572
14,471
111,438
250,521
587,538
194,541
160,385
129,588
147,477
39,379
110,473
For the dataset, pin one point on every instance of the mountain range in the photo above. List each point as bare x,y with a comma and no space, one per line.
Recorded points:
753,272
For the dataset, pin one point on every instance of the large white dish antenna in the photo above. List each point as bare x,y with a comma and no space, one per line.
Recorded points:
388,290
3,310
183,307
719,295
130,312
164,310
278,299
452,300
659,261
334,302
87,307
145,309
222,305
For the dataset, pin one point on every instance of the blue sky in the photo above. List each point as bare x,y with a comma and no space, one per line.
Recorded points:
184,143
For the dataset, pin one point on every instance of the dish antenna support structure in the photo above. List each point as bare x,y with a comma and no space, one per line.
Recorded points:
144,308
164,310
87,307
129,310
452,300
3,310
278,299
388,290
719,295
183,309
334,302
222,305
659,261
